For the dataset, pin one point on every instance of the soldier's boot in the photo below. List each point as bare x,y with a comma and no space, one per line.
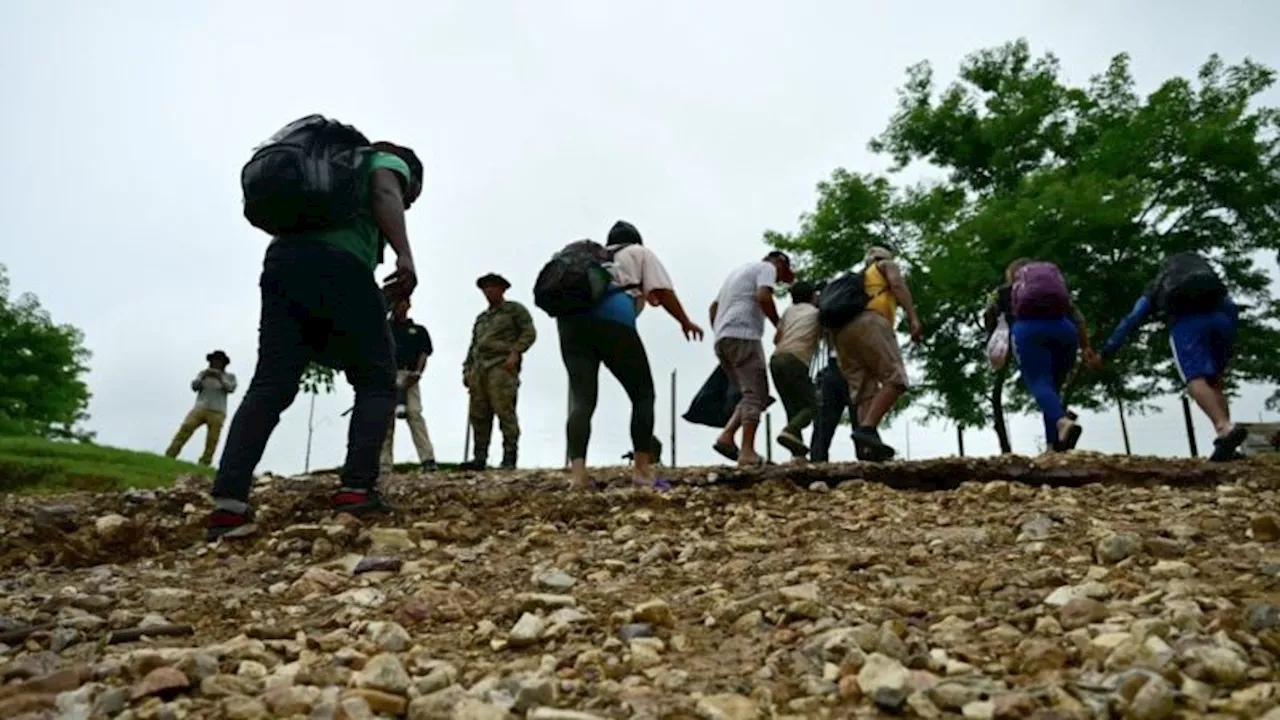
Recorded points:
478,464
508,460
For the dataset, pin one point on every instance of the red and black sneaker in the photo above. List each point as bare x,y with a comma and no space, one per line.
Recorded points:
358,502
229,524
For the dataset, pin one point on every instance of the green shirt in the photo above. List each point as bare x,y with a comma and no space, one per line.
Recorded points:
363,238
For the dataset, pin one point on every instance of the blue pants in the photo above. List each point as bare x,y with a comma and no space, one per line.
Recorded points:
1046,349
1202,343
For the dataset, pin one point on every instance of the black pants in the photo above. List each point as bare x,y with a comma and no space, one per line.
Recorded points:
318,304
833,398
585,343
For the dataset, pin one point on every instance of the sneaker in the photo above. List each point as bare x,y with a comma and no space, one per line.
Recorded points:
358,502
1224,448
794,443
477,464
1068,438
429,466
230,525
870,447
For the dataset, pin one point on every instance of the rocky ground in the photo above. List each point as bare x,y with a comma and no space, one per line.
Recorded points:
1075,587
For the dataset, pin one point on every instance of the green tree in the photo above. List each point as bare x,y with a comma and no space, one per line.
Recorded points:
42,391
1096,179
317,379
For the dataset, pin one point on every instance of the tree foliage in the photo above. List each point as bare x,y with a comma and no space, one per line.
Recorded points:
317,379
1097,179
42,391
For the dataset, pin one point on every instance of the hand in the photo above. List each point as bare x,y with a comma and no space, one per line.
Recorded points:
1092,359
691,331
917,330
513,363
400,284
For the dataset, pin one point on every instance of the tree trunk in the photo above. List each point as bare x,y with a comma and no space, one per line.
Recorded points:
1191,430
1124,425
960,438
997,411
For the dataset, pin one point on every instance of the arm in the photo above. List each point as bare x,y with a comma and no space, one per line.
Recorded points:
1141,310
669,302
715,307
388,210
991,315
1082,328
764,298
421,364
528,334
199,381
898,286
228,381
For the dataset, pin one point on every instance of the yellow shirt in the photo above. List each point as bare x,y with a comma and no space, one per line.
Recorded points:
882,299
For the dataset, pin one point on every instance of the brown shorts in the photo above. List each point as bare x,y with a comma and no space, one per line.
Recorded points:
869,356
743,361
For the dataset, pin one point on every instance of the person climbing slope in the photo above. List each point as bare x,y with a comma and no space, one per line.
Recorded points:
1202,320
737,318
795,342
1048,332
332,201
601,329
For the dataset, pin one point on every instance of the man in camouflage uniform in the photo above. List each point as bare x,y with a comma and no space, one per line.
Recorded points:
503,333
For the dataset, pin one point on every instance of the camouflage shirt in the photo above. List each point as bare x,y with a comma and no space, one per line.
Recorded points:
497,333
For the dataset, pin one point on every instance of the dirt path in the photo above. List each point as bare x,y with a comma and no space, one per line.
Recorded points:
1085,590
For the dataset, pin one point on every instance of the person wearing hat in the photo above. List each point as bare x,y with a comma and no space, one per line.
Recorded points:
502,334
212,386
868,351
738,313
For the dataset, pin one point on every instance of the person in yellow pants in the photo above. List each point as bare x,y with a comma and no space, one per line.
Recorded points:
212,386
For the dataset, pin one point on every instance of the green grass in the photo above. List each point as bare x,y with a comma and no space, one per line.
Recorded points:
36,466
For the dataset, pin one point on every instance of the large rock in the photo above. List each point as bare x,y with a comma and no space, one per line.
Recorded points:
885,681
384,672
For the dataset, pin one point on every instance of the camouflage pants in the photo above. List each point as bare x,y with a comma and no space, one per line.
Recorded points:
493,392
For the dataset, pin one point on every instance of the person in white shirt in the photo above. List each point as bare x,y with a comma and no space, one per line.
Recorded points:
737,319
212,386
607,335
795,342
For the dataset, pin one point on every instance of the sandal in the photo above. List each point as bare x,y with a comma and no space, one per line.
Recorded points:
726,450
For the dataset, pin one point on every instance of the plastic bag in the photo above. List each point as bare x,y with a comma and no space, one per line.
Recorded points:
715,401
998,345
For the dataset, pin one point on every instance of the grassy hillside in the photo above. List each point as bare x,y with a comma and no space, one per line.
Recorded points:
33,465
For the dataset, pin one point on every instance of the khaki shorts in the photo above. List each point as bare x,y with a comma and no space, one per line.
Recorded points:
869,356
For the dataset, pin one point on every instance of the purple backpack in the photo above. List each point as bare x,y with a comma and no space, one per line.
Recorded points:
1040,291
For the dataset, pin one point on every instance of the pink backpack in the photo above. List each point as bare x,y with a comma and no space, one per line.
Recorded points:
1040,291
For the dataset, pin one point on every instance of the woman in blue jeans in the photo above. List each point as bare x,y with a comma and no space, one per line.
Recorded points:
1046,338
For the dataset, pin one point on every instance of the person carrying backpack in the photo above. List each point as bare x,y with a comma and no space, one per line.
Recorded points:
860,309
600,328
1202,320
331,201
1048,331
795,342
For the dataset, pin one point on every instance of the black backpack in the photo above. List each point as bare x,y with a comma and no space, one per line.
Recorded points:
843,299
575,280
1188,285
305,178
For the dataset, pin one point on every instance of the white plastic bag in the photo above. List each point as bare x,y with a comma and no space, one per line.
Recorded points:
998,345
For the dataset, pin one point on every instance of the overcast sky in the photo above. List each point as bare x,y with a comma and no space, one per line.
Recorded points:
704,123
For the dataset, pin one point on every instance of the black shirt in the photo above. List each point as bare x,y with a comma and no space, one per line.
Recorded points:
412,340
